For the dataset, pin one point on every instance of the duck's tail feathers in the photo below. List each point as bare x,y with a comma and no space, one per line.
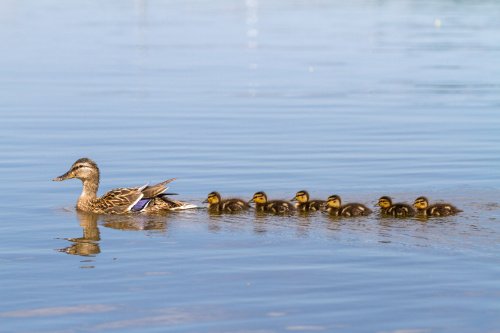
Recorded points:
176,204
154,190
184,205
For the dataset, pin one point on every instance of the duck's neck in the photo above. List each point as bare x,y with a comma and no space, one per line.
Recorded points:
89,194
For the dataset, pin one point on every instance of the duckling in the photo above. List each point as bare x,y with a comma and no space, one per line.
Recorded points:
438,209
148,199
335,208
216,204
396,210
306,205
273,206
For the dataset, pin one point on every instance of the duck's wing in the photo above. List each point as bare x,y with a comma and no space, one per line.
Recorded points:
155,190
120,200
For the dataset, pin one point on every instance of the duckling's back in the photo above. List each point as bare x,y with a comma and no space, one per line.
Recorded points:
311,206
232,205
442,210
278,207
355,209
401,210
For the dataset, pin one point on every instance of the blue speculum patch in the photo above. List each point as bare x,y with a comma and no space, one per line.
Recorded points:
140,205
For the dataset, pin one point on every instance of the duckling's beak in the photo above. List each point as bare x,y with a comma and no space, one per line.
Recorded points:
293,199
67,175
377,204
251,200
205,201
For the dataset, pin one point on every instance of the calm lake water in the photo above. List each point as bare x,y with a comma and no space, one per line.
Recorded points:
362,99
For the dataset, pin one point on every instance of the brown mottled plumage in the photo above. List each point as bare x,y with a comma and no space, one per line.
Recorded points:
271,206
119,200
306,205
335,208
397,209
438,209
217,205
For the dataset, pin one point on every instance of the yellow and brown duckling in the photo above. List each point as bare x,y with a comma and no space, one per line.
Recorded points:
335,208
438,209
217,205
394,209
271,206
304,204
148,199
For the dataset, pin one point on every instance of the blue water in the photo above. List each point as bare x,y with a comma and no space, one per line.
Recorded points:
362,99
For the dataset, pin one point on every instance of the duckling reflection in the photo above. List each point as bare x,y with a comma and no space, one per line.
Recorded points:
88,244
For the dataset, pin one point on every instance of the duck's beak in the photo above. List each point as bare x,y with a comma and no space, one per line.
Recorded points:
251,200
205,201
67,175
293,199
376,205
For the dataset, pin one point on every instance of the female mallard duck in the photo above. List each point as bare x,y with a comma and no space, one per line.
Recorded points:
271,206
306,205
217,205
438,209
149,199
396,210
335,208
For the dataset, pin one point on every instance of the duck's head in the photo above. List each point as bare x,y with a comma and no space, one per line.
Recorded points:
259,197
421,203
301,196
384,202
83,169
213,198
334,201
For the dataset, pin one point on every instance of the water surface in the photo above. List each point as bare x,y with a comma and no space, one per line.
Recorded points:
361,99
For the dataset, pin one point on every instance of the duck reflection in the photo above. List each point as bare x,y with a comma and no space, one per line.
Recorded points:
88,244
135,222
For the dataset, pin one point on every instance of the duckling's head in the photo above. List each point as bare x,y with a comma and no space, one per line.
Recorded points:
384,202
421,203
301,196
213,198
83,169
259,197
334,201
